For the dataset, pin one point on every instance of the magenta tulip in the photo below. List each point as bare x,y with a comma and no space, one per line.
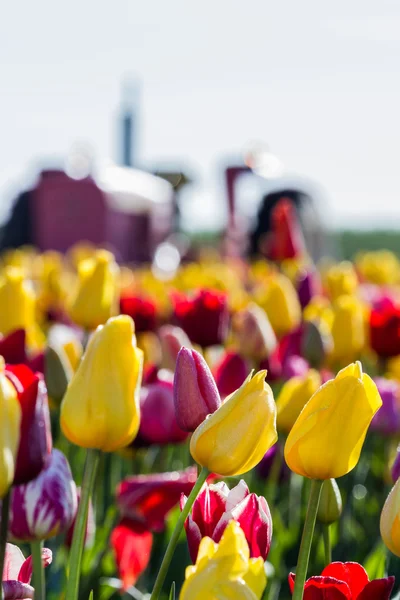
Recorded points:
230,372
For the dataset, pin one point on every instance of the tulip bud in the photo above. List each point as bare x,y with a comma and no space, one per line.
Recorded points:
308,286
235,437
254,334
35,439
158,423
294,395
95,299
57,374
10,421
142,310
341,280
316,343
13,347
390,518
195,391
47,505
281,304
90,531
330,503
294,366
17,301
101,406
205,317
273,459
230,372
172,339
348,328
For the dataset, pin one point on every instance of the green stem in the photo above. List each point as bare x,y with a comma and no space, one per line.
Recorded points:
78,538
305,546
39,582
327,544
5,513
176,533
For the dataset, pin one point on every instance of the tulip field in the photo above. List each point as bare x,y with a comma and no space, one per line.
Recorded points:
226,430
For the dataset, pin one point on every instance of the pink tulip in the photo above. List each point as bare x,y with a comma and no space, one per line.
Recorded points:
172,339
216,505
17,573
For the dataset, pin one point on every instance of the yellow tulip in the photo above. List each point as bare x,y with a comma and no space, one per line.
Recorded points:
293,396
96,297
320,311
381,267
281,303
341,279
101,406
225,570
348,329
234,438
326,440
17,301
390,520
10,421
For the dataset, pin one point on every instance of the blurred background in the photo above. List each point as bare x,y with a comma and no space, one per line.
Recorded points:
306,94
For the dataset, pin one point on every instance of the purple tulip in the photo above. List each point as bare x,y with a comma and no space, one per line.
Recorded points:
47,505
396,466
295,366
387,419
195,391
265,466
308,285
217,505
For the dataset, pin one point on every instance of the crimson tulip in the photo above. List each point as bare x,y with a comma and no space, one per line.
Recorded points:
142,310
384,327
287,239
216,505
345,581
204,317
35,442
132,543
13,350
230,372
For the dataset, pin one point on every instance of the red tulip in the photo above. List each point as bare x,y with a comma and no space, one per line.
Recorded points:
345,581
149,498
13,350
230,372
17,573
216,505
385,329
287,239
131,542
35,443
204,317
142,310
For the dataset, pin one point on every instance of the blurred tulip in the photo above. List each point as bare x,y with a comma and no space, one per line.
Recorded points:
95,298
387,419
195,391
225,570
149,498
341,280
17,301
10,430
266,465
390,520
380,267
395,469
281,304
308,286
131,542
90,525
204,317
287,239
330,503
294,395
158,424
348,329
294,366
345,581
17,573
57,374
217,505
35,431
101,406
316,343
142,310
235,437
253,332
335,421
230,372
385,329
13,349
172,339
47,505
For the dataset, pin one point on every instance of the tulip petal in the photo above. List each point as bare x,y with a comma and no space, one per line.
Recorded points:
350,572
15,590
323,588
26,570
132,543
13,561
379,588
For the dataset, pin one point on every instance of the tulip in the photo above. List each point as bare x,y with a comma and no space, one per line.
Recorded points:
233,439
35,430
295,366
17,573
330,503
195,391
345,581
341,280
158,424
384,327
267,464
395,469
101,406
286,234
390,520
95,298
348,328
225,570
204,318
10,423
142,310
326,440
253,332
216,506
316,343
17,301
47,505
380,267
387,419
172,339
281,304
90,531
57,373
149,498
308,285
230,372
13,348
131,542
293,396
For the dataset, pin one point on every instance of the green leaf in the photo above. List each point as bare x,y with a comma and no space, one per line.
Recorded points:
172,591
376,561
91,595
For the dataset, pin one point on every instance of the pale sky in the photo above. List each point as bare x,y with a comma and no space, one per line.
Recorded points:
318,81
